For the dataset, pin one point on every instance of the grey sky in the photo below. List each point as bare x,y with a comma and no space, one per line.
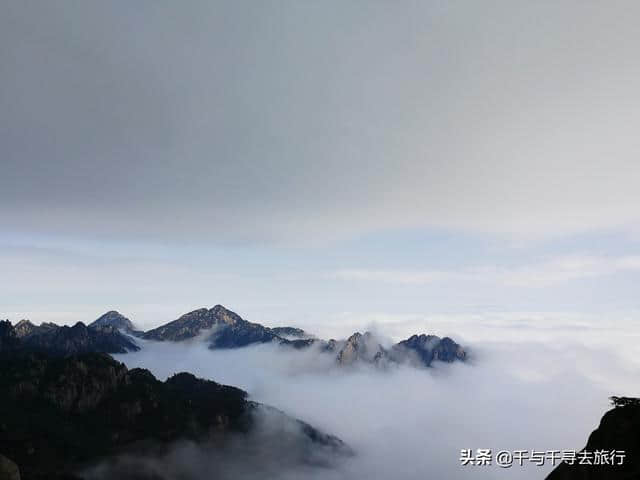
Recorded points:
317,157
292,121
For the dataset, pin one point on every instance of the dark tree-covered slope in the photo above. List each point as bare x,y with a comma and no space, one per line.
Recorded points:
63,340
60,414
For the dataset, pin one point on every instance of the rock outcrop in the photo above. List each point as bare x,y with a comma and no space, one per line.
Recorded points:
619,431
417,350
360,348
24,328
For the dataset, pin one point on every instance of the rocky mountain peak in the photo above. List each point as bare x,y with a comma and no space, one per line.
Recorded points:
225,315
115,320
360,347
193,323
24,328
419,350
426,348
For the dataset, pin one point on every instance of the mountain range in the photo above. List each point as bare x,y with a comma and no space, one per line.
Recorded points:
222,328
64,340
85,408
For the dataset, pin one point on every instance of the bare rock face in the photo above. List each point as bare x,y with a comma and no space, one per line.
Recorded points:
418,350
24,328
8,469
359,347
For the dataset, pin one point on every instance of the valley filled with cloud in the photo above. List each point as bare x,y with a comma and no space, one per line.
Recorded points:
528,385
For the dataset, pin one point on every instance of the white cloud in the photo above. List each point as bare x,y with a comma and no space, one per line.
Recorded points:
535,382
319,121
549,273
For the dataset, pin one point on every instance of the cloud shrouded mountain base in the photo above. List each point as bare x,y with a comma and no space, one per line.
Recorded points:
90,416
276,447
539,390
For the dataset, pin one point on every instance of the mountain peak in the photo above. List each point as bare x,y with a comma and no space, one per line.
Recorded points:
431,347
193,323
24,327
360,346
113,319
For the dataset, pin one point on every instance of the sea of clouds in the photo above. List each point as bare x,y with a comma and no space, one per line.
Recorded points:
532,382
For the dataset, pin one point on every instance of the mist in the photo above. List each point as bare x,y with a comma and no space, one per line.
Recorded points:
541,389
276,447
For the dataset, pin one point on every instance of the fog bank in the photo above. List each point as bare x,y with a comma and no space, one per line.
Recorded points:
530,392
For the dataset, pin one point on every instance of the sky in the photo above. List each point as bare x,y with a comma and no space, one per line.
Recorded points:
319,163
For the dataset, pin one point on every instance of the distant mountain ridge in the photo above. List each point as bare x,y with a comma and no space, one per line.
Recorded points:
88,405
63,340
222,328
227,329
417,350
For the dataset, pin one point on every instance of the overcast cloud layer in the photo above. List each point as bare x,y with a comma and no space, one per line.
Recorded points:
303,121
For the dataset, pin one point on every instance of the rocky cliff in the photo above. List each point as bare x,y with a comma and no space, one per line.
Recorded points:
619,430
